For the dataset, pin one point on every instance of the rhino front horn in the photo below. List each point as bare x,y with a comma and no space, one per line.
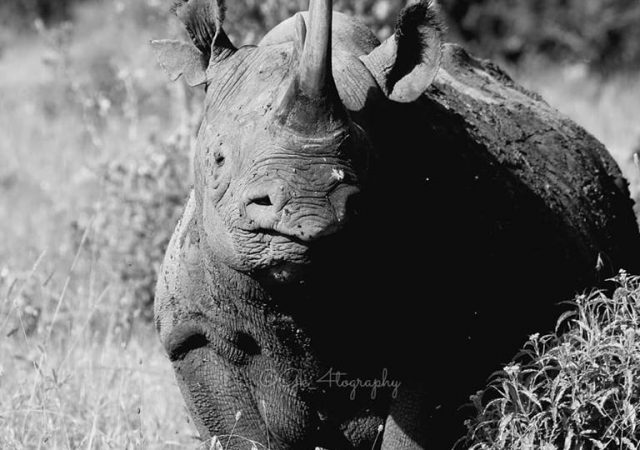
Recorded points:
315,62
312,104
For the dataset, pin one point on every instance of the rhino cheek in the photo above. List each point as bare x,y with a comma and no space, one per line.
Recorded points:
228,244
219,237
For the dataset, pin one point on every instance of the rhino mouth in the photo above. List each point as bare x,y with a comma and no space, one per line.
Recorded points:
284,253
283,258
271,234
268,249
303,233
283,272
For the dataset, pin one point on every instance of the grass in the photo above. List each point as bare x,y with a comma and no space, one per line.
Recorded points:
74,374
575,388
95,149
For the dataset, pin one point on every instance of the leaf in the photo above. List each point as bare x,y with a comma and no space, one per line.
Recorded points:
630,445
563,318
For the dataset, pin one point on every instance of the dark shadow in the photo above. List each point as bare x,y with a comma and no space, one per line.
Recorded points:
457,257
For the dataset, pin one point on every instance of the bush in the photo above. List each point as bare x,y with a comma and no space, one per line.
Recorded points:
144,197
18,13
571,390
248,20
135,134
603,33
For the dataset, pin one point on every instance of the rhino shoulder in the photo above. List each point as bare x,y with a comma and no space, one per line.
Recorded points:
181,275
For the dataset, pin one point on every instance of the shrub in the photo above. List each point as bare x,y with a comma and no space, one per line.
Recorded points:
603,33
571,390
248,20
17,13
143,200
139,173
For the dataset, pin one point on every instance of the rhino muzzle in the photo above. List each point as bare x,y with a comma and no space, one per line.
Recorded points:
275,207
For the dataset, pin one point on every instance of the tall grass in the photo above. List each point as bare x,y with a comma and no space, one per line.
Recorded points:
73,374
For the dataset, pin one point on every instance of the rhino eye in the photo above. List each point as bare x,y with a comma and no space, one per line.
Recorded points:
219,159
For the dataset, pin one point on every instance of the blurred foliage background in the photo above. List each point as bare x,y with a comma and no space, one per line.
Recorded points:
95,169
605,34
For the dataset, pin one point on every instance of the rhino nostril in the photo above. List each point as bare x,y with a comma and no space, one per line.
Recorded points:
265,200
246,343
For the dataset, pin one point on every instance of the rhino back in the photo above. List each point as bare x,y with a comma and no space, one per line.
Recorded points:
553,158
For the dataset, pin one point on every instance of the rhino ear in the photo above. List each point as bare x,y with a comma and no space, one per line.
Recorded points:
203,21
180,58
406,64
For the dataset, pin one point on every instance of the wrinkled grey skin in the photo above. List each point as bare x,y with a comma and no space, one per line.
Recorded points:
265,190
319,226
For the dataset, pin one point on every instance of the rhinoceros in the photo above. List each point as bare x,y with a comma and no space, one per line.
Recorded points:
374,228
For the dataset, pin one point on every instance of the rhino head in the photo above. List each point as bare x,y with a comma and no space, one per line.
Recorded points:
280,160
